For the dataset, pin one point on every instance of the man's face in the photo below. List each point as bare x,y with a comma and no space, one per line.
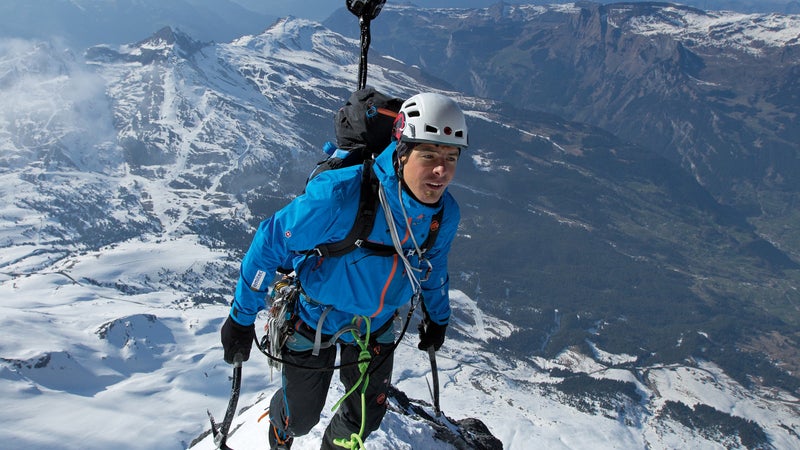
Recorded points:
428,169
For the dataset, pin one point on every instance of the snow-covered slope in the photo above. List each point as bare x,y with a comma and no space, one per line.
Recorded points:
87,366
749,33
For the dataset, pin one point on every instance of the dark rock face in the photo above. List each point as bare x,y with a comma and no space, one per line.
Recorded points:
466,434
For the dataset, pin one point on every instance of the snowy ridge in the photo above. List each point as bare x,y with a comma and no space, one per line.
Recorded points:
747,32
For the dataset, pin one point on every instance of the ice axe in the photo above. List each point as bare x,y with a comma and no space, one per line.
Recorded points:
220,431
435,374
423,327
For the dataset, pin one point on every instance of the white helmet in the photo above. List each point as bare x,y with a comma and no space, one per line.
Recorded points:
431,118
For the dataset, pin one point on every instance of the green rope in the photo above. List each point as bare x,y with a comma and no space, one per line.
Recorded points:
356,440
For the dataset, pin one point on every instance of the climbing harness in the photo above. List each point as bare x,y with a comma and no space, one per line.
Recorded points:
263,345
365,10
318,344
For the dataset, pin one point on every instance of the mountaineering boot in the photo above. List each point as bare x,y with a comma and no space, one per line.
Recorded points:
276,442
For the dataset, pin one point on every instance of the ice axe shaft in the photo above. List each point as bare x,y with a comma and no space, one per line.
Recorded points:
220,432
435,375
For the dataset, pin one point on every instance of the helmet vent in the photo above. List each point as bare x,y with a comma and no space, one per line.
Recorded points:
431,129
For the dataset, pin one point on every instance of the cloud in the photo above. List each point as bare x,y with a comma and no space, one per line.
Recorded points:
53,108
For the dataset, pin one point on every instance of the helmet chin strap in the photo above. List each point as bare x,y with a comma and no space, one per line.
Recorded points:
398,166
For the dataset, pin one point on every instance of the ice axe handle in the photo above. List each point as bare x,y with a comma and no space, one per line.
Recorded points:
221,433
435,375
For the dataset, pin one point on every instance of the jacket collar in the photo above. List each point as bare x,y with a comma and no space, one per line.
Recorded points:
384,169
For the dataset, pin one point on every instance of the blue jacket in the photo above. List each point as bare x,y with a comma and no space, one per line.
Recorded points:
358,283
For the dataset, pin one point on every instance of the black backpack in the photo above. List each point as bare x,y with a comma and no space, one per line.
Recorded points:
363,129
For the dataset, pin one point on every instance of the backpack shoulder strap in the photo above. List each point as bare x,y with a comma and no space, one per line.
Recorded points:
368,205
365,216
436,222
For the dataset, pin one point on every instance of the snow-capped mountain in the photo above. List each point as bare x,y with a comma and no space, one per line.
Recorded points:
132,176
657,74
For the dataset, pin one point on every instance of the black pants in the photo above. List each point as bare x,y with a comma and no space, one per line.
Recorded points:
295,408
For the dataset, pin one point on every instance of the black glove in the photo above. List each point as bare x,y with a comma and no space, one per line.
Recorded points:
431,334
237,339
